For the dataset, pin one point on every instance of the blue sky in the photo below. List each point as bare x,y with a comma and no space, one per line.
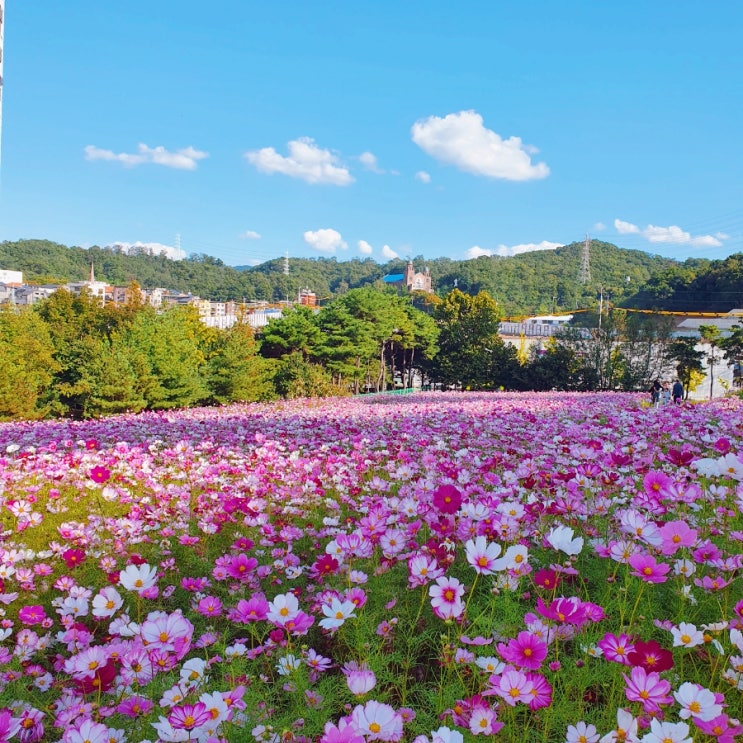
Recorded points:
378,128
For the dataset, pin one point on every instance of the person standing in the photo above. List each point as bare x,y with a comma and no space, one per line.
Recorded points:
665,394
677,392
655,392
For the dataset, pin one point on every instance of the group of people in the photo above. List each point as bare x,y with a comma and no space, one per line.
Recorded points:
662,393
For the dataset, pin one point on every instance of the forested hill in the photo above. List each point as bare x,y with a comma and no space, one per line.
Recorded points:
535,282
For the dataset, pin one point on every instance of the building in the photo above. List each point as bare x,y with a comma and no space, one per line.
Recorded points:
97,289
307,298
411,280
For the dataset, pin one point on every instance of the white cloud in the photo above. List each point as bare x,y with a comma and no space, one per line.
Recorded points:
476,252
185,159
250,235
326,241
625,228
136,248
388,253
504,250
460,139
364,247
369,161
305,161
599,227
673,235
423,177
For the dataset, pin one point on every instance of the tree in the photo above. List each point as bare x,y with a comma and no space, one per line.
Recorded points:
296,377
27,365
296,331
555,368
688,360
733,351
711,336
643,349
235,372
170,357
471,354
110,382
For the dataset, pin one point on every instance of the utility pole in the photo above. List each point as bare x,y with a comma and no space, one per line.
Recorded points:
601,305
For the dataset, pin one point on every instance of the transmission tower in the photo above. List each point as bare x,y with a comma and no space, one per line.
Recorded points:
286,264
584,273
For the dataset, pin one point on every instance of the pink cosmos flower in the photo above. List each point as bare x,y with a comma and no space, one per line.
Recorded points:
541,691
483,721
722,728
359,678
423,569
616,648
210,606
189,716
647,688
525,651
377,721
712,583
167,633
564,610
87,731
675,535
645,566
446,598
513,686
253,610
134,706
317,662
344,732
9,725
241,566
657,483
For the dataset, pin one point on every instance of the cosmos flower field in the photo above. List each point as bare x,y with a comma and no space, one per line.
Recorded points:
524,567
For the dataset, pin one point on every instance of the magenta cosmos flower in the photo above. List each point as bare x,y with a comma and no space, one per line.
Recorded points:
525,651
447,499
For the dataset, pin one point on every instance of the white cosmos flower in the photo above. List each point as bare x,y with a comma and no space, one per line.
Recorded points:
138,578
561,538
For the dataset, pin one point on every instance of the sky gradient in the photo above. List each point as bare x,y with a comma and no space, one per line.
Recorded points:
255,129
